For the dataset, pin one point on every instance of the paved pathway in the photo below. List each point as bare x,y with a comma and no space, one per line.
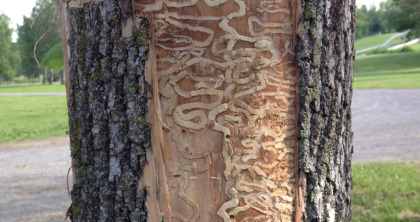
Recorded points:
384,44
386,125
398,35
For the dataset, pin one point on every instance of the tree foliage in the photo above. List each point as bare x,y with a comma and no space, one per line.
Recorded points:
54,58
392,15
409,18
32,29
362,22
8,56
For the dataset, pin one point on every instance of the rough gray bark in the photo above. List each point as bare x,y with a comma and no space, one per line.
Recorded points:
107,108
325,56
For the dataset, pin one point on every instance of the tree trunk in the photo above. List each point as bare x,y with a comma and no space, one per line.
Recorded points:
51,80
325,57
62,77
44,76
205,112
109,133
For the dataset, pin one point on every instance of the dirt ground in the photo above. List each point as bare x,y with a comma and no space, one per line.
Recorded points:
386,125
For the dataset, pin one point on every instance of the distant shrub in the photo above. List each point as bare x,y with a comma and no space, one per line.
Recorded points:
405,49
384,51
379,50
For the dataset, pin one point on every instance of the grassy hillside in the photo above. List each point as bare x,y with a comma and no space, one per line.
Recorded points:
387,71
416,47
371,41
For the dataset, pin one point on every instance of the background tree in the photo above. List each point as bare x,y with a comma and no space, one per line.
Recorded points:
390,13
389,17
192,114
32,29
409,16
363,26
26,43
378,20
8,57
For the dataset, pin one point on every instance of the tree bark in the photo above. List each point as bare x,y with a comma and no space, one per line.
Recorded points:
62,77
51,79
107,113
44,77
325,57
212,110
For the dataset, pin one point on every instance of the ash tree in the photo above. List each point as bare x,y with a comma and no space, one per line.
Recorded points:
210,110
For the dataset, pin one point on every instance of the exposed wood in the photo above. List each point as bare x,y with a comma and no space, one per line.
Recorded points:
227,92
64,33
154,179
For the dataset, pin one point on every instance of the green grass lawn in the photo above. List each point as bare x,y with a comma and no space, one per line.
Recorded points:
416,47
371,41
32,117
13,88
386,192
387,71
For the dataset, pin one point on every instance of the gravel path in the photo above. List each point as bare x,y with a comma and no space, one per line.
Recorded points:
386,125
33,181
